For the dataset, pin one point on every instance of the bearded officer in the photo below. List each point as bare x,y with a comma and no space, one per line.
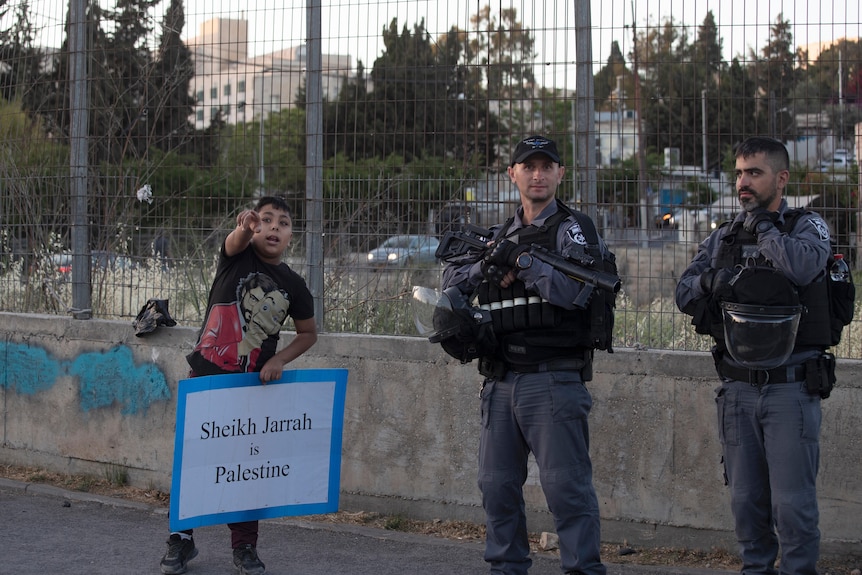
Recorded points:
768,418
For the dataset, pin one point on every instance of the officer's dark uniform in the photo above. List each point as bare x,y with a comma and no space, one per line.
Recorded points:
769,424
534,400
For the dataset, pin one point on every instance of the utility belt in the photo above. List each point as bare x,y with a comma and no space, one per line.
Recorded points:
818,373
495,368
757,377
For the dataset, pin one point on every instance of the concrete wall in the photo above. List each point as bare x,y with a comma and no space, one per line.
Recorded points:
81,396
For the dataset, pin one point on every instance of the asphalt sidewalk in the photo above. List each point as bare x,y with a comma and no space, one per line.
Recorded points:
51,530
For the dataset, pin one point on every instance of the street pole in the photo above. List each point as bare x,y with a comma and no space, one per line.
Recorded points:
586,117
858,134
619,118
703,127
642,181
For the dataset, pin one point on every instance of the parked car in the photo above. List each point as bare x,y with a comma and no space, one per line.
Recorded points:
837,162
402,251
111,261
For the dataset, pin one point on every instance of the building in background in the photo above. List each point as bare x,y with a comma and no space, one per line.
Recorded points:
243,89
616,136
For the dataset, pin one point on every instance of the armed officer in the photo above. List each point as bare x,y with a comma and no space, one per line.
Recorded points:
534,398
768,417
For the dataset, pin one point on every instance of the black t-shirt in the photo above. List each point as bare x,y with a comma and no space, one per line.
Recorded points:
248,303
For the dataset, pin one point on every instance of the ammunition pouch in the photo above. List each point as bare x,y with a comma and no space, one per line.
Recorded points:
820,375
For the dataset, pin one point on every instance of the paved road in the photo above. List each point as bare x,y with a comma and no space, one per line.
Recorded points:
52,531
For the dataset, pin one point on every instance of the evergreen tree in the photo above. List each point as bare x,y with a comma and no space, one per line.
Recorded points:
345,121
18,54
775,73
732,108
708,66
169,102
115,64
605,81
409,87
707,53
671,91
417,108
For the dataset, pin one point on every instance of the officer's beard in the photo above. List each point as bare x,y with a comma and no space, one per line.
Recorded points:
755,200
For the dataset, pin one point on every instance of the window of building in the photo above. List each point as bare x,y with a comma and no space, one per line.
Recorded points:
225,110
200,97
213,93
199,115
213,112
226,90
240,106
240,86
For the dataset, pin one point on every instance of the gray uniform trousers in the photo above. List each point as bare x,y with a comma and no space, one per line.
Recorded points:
770,438
544,413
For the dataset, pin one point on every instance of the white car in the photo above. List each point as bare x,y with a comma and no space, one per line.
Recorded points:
839,162
404,251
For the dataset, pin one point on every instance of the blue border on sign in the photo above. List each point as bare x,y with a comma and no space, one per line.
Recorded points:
212,382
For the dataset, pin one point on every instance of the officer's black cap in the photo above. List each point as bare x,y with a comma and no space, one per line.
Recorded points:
535,145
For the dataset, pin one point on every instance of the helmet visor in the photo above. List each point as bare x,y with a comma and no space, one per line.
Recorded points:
760,337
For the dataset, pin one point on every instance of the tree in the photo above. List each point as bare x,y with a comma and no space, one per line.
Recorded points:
833,83
774,71
709,67
115,69
733,108
505,49
417,108
671,91
605,81
137,100
18,54
680,80
345,121
707,49
836,67
169,103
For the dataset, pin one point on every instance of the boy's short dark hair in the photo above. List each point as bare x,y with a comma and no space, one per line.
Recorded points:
774,150
275,201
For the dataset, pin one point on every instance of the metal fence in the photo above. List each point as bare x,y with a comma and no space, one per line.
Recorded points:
134,132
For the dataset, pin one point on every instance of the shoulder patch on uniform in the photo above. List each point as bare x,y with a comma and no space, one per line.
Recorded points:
576,234
821,228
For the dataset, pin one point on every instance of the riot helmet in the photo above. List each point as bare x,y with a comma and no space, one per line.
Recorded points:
448,318
760,317
760,337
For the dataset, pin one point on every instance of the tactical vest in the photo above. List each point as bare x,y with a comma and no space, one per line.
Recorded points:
530,330
737,248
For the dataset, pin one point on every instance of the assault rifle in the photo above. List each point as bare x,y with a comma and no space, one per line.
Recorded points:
472,243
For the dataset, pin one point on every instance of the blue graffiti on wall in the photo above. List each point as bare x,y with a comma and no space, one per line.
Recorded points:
105,377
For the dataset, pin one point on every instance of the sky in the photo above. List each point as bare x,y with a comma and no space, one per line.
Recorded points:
354,26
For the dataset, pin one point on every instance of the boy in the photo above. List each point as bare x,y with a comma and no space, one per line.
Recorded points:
252,295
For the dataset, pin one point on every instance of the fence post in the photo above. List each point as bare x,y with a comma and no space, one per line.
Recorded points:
314,159
78,162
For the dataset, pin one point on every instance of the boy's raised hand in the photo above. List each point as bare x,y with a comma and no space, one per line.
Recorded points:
248,220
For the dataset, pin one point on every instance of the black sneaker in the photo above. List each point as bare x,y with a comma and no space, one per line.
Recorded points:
180,552
247,562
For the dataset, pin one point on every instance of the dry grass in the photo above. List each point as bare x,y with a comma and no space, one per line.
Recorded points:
112,485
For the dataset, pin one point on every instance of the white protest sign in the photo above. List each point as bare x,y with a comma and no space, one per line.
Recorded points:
247,451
